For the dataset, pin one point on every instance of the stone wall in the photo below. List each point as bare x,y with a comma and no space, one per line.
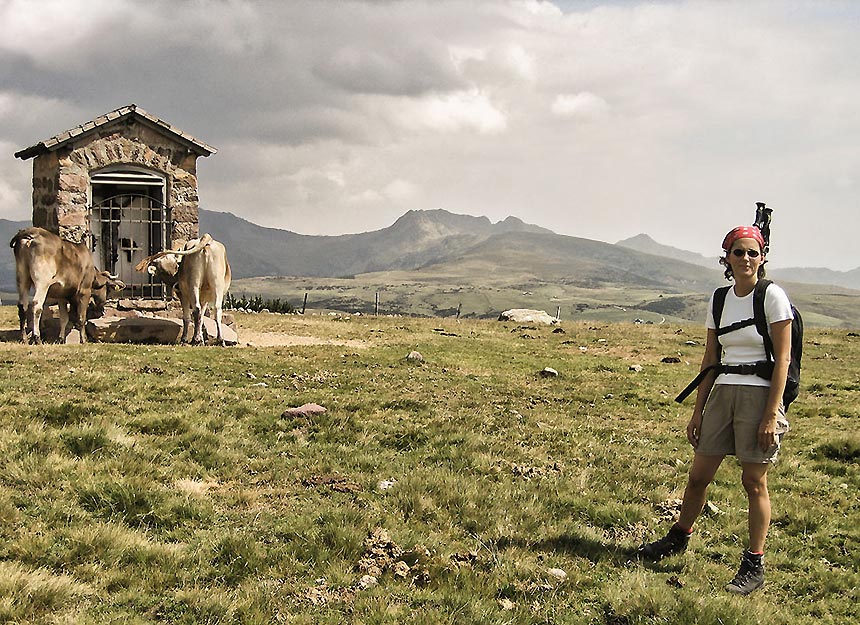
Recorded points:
61,178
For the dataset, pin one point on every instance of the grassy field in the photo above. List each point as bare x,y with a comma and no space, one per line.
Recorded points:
166,484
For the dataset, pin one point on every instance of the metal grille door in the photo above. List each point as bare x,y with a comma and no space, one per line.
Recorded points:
125,229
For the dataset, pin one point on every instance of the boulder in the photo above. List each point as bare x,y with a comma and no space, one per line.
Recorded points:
134,330
142,304
135,327
525,315
227,333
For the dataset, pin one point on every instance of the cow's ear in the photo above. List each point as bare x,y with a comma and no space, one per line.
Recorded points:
100,280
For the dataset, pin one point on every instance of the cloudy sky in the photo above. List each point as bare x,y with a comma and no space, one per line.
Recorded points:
599,119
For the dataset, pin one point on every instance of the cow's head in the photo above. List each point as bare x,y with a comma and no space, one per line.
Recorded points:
104,285
165,269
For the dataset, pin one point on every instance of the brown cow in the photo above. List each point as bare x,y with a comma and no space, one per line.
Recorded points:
59,272
202,275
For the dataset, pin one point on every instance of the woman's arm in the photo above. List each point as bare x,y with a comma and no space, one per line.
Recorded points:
780,335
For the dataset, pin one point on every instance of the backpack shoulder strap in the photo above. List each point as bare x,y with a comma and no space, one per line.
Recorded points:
760,316
719,303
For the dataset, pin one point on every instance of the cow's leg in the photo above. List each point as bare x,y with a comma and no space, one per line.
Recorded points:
63,314
219,300
37,306
186,319
22,321
198,316
198,326
81,306
23,285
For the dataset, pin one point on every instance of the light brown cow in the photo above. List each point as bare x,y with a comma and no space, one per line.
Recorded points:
202,276
59,272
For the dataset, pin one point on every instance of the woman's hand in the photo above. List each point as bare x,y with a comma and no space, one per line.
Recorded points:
767,433
694,429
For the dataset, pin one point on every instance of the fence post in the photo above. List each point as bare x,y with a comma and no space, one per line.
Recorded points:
458,309
305,303
558,314
376,305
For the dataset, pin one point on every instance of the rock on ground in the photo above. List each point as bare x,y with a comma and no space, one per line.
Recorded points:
525,315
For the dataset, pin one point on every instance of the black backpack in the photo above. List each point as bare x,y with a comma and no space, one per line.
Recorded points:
762,369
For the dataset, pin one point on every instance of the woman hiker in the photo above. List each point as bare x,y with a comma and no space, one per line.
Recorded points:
744,415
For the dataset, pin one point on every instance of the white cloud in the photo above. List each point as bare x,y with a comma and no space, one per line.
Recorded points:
582,104
399,190
15,186
462,111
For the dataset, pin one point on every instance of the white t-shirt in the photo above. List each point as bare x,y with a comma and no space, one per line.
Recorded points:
746,345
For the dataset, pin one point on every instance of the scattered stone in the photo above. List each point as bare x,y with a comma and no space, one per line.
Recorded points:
380,553
636,368
305,410
153,370
525,315
559,331
386,484
414,356
711,509
401,569
464,559
691,343
558,574
671,359
250,376
337,483
669,509
548,372
675,582
367,581
261,385
529,473
583,349
506,604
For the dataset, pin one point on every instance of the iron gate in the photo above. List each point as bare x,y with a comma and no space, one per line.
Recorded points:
125,229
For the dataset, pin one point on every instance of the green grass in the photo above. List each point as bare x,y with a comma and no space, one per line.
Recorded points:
165,484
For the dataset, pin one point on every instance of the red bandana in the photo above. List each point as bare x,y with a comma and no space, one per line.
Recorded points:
743,232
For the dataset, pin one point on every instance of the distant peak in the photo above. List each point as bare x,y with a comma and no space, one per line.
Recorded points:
639,238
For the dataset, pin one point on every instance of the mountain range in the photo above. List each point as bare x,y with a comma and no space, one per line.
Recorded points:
431,244
809,275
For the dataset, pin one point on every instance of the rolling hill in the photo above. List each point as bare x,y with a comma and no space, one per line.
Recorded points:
809,275
436,262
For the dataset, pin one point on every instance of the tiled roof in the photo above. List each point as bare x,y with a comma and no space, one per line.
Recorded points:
55,142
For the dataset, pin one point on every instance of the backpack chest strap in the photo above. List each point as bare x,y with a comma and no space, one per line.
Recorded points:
737,325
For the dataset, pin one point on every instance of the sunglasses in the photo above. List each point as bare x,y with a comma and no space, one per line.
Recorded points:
750,253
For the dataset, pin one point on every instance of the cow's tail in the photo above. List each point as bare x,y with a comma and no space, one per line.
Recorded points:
23,237
205,240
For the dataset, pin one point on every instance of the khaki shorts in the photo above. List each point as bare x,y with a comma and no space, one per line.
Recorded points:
730,423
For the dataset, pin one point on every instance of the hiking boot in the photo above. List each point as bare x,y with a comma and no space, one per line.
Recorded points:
750,575
675,541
